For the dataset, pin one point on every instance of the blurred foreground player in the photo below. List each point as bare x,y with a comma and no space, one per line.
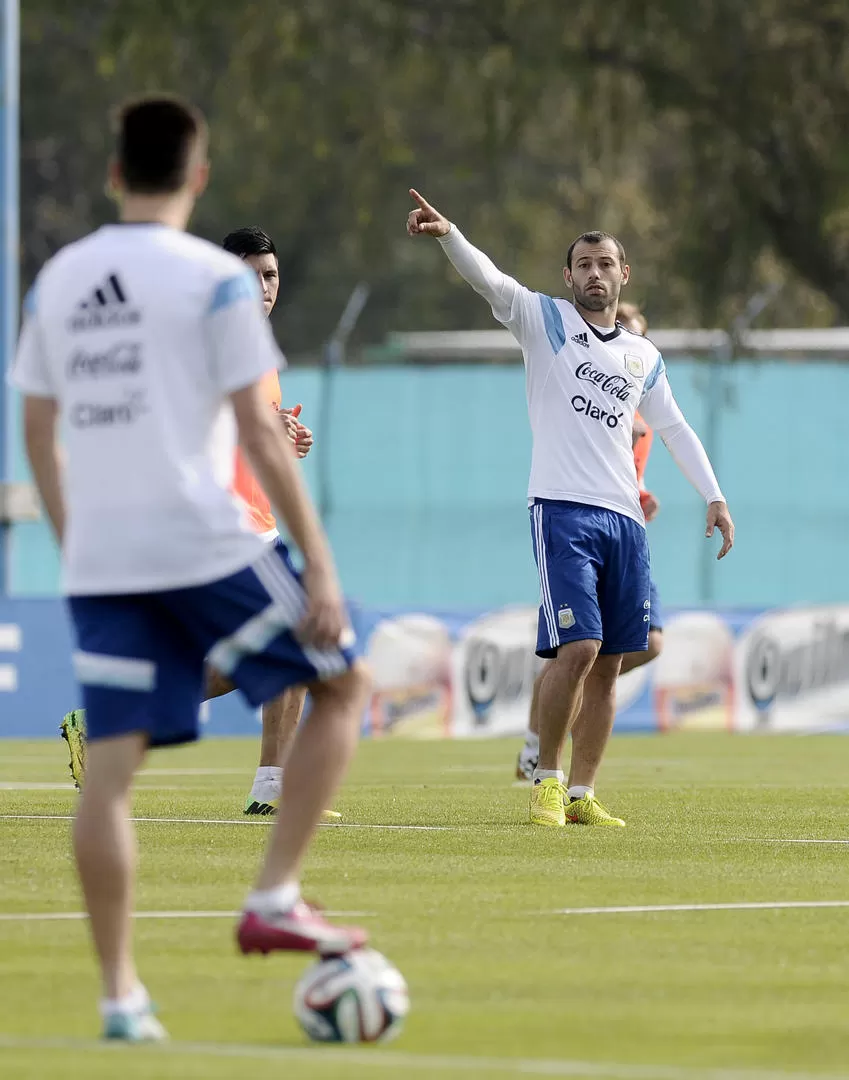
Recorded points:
585,378
280,717
149,348
589,735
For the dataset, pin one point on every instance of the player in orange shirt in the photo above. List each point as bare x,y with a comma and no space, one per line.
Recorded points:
280,717
588,743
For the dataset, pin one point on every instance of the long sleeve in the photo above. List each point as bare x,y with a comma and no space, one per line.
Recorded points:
512,304
661,411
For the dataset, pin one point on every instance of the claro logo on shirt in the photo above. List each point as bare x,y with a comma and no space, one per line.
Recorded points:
123,358
100,414
586,407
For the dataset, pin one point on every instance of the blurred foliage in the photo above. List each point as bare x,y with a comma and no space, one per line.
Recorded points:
710,136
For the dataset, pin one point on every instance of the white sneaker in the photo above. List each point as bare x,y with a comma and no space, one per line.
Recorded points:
526,762
141,1026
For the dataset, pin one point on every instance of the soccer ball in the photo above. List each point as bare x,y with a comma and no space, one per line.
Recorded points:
358,997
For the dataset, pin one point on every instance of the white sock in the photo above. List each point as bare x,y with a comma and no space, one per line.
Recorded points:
548,774
268,772
578,791
269,901
268,783
532,741
136,1001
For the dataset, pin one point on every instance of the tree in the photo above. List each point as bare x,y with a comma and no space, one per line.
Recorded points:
709,135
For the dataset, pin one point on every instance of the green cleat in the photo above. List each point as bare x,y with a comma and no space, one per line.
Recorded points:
256,806
588,811
547,804
72,730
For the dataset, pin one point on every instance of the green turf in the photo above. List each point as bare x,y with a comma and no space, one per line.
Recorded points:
458,912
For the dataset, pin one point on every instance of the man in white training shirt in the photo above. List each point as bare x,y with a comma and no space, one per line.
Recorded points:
147,347
585,378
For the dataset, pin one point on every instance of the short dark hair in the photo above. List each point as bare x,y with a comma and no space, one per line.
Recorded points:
594,237
249,240
156,136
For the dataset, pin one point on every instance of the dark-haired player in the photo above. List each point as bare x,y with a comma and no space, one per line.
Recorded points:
585,378
169,344
591,733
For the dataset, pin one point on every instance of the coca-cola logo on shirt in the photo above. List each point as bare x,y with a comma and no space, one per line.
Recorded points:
615,385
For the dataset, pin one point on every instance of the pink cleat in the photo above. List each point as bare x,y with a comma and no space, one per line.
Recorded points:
300,929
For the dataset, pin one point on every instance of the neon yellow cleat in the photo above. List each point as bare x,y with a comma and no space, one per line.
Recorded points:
253,806
72,730
588,811
547,803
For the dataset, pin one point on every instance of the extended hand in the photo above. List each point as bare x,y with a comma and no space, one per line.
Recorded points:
650,505
303,441
719,518
290,423
425,220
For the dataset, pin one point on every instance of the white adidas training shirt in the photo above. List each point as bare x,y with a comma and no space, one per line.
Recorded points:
141,333
584,385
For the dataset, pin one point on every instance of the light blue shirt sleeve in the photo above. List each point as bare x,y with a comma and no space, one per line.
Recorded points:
239,336
30,370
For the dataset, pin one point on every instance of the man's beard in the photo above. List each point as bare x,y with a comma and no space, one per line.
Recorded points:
596,301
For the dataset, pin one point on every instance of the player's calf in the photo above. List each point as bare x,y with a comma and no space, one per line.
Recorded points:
275,916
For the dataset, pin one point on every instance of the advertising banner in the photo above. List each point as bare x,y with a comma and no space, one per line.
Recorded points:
493,671
792,671
471,674
689,686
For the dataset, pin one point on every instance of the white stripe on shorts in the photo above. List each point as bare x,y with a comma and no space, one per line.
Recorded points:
261,629
279,582
122,672
283,613
252,637
545,589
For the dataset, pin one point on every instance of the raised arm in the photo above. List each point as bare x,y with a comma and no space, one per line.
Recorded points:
506,296
661,412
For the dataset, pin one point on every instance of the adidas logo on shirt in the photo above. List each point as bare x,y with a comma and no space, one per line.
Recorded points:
581,339
105,306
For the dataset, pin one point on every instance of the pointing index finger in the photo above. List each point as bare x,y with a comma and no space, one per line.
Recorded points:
420,199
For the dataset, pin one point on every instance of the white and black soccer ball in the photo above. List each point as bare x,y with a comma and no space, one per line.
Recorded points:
358,997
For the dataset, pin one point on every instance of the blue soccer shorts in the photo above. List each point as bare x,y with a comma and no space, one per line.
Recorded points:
656,620
594,577
141,658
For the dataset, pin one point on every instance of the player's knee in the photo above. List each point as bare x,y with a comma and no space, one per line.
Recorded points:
577,657
111,765
360,682
655,645
352,686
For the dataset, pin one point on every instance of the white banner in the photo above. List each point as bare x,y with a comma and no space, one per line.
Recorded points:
494,667
410,661
689,686
792,671
692,679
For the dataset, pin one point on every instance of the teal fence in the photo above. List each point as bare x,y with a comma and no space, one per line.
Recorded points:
424,473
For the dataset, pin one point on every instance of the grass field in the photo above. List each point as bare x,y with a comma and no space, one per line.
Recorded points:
501,984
